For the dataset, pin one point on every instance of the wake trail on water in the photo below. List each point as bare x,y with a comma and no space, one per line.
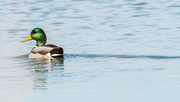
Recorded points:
122,56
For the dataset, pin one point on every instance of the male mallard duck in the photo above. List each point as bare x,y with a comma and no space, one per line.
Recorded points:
41,50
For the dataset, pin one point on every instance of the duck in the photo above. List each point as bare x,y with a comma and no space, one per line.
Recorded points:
41,50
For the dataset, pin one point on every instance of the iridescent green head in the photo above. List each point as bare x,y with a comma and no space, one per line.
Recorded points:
38,35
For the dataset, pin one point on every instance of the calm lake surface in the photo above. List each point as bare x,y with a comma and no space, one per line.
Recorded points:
115,51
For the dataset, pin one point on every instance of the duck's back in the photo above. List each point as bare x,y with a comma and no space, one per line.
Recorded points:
56,51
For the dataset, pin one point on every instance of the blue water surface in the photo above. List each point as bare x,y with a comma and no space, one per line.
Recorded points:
115,50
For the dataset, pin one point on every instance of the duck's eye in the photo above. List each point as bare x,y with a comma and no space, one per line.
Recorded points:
33,32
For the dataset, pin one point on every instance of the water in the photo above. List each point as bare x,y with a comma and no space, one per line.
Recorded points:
115,50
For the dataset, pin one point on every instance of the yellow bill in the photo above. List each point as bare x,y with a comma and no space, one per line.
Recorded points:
27,39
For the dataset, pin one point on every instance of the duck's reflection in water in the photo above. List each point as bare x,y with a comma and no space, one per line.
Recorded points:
42,69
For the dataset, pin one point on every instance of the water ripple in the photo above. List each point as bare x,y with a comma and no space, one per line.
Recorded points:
121,56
